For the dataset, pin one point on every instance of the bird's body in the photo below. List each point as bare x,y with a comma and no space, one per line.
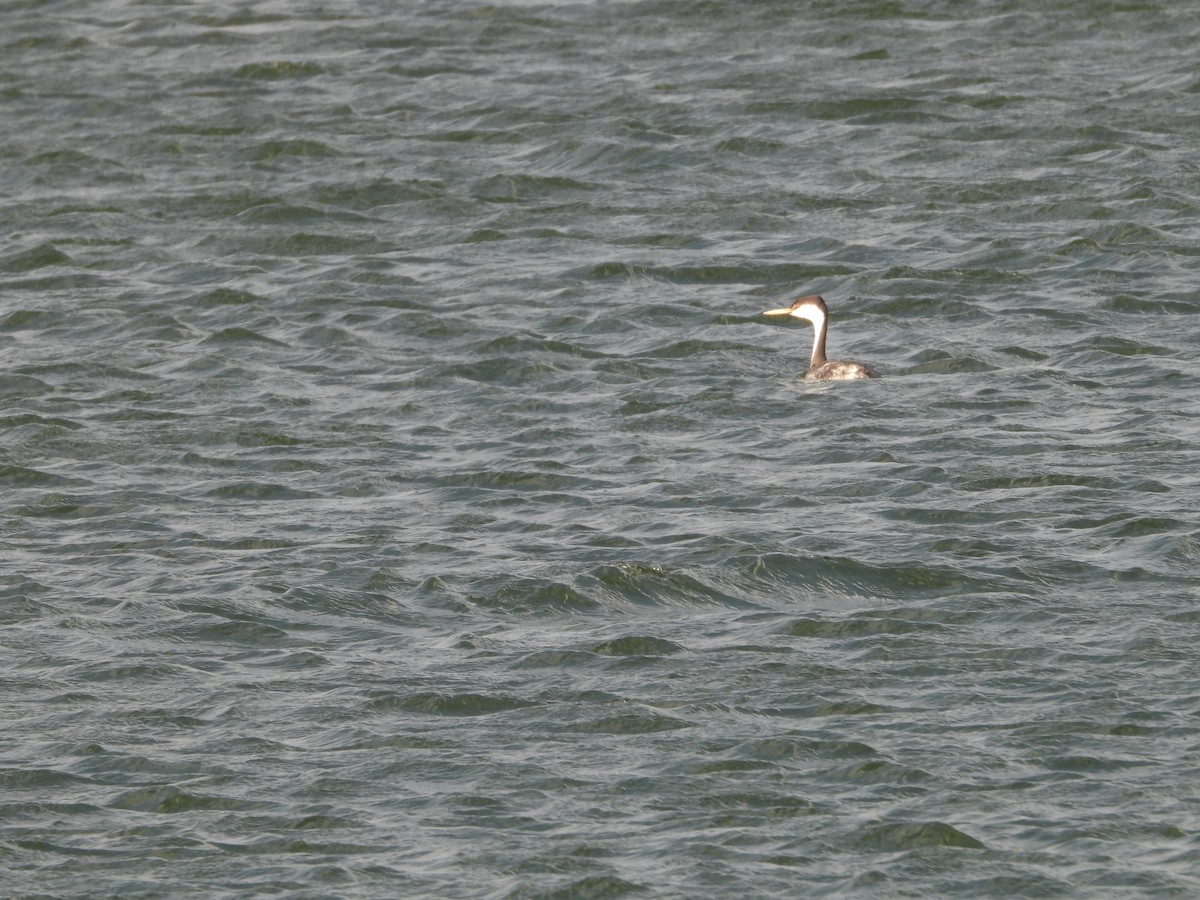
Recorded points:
813,309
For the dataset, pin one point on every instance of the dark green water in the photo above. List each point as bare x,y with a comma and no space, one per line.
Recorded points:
402,495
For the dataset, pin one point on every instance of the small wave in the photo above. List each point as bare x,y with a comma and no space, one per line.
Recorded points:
38,257
637,645
257,490
438,704
17,386
751,273
909,836
237,335
170,800
20,476
226,297
642,584
841,576
279,69
630,724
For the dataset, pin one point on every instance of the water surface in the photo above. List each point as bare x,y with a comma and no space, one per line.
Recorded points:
402,494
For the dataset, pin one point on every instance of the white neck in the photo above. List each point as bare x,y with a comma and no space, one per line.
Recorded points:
814,315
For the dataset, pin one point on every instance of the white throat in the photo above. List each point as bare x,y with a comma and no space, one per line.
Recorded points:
817,317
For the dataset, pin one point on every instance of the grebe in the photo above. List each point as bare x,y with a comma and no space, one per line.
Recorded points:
813,309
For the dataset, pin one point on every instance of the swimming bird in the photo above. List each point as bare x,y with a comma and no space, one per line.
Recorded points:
813,308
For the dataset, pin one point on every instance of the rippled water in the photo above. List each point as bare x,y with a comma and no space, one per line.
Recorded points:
402,494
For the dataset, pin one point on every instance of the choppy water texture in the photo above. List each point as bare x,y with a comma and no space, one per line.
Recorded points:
402,494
